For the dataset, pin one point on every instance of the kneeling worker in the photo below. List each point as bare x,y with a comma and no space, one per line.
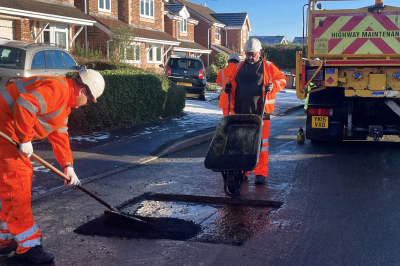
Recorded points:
35,108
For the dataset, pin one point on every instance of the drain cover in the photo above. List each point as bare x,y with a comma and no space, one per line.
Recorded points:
194,218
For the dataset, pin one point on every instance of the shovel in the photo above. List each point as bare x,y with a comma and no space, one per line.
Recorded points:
111,213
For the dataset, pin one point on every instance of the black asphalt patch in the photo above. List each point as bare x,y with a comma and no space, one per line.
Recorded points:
187,218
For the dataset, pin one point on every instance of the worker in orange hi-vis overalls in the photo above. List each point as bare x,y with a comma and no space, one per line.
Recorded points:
224,77
35,108
251,80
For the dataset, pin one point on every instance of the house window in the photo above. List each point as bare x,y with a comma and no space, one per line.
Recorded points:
154,54
184,25
105,5
147,8
55,33
245,34
217,34
132,53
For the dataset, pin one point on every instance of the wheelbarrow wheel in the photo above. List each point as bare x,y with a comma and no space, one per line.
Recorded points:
233,181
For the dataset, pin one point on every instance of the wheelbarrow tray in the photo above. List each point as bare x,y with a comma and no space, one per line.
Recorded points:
236,144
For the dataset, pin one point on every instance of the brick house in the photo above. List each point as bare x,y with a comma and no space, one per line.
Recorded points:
51,21
180,25
150,44
221,32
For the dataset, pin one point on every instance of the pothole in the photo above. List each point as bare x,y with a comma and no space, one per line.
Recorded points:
188,218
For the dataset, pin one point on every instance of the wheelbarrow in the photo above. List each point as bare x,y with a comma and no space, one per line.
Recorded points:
235,148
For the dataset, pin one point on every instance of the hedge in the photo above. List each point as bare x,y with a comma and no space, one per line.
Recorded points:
131,96
283,56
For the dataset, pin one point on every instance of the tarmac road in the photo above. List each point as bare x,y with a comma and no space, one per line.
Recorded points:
339,207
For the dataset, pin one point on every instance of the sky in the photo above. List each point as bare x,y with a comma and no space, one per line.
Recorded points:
279,17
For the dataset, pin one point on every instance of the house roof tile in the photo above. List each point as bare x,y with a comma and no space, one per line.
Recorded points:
191,45
174,8
298,40
224,49
139,32
231,19
201,10
58,9
269,39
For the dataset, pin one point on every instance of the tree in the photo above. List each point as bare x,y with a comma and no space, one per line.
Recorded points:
121,42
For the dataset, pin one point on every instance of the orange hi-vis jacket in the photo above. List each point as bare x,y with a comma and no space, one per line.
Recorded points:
222,78
271,74
38,107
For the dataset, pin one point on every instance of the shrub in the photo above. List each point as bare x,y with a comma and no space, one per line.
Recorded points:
221,60
212,72
132,96
210,87
79,50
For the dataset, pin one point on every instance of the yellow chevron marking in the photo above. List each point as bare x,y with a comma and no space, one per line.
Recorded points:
368,21
317,20
395,19
369,47
336,26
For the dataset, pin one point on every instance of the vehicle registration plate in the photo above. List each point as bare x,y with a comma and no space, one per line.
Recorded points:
319,122
187,84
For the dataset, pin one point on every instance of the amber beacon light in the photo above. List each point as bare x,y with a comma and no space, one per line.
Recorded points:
379,2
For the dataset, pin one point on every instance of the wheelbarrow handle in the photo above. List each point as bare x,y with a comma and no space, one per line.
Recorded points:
229,103
265,102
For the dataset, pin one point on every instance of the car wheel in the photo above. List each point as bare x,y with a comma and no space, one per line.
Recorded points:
202,96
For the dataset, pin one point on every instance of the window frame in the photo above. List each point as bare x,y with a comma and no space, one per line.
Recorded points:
150,10
104,3
183,25
153,52
136,60
217,33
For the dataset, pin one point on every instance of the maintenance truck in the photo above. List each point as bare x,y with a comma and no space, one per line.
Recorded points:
349,69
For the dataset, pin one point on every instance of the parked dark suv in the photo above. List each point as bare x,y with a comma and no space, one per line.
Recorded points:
188,72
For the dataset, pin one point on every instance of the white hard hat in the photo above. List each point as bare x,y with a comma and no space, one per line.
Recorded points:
252,45
93,80
233,57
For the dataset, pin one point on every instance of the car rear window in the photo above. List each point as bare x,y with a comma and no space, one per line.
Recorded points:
11,57
182,63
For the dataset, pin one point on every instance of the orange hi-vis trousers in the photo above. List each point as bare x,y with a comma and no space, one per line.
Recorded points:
17,224
262,166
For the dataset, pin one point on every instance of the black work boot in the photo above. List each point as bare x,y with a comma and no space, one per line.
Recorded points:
37,255
8,250
259,180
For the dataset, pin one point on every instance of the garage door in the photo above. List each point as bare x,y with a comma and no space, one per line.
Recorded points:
6,29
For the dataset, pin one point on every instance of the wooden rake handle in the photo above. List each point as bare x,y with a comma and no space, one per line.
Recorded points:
58,172
37,158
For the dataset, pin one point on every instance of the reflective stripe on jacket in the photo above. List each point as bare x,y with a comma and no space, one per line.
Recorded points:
271,74
38,107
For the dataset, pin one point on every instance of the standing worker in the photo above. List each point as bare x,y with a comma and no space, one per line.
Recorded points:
224,77
35,108
253,78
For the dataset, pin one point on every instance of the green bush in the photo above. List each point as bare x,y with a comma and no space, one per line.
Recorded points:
221,60
212,73
79,50
210,87
283,56
132,96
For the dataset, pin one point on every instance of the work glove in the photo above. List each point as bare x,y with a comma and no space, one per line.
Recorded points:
228,87
25,149
269,88
74,180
